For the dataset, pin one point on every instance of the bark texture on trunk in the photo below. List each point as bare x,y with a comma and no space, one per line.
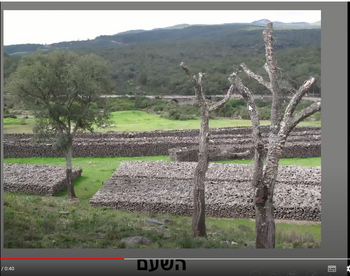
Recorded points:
198,218
264,178
70,187
264,225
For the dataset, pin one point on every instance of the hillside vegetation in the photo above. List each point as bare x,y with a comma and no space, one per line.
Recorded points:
147,62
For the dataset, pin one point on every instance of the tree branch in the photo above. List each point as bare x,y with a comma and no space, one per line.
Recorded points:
74,95
188,72
297,97
303,114
197,85
224,100
248,97
266,68
256,77
271,66
44,99
255,118
80,117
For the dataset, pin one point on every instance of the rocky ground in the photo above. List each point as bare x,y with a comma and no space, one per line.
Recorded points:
166,187
219,172
36,179
159,143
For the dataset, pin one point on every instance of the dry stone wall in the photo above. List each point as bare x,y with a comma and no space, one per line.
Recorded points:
36,179
166,187
218,172
115,144
168,133
245,151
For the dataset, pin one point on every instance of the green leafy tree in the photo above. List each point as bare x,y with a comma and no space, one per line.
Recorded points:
143,78
63,90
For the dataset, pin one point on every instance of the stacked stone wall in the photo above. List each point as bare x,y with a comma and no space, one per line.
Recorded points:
166,187
114,144
36,179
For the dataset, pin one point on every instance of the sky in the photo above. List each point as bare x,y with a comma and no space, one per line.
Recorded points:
49,26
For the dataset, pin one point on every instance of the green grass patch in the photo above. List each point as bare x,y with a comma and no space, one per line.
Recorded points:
34,221
95,170
11,125
142,121
17,121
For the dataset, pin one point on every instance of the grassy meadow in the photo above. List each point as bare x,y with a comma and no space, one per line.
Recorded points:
143,121
32,221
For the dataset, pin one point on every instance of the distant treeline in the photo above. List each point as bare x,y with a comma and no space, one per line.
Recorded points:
148,62
234,108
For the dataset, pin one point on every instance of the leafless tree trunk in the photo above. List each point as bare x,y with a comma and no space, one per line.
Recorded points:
264,177
198,219
70,188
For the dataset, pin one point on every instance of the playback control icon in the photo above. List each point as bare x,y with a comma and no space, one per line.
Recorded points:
332,268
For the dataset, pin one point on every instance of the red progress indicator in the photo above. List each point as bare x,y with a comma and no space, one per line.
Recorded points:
63,259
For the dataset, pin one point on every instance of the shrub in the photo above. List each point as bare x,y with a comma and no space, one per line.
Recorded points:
317,116
10,105
235,103
157,108
302,104
265,113
226,111
263,103
23,122
142,102
180,113
12,116
184,117
174,114
243,112
121,104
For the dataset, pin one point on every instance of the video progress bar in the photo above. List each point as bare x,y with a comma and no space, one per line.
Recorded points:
243,259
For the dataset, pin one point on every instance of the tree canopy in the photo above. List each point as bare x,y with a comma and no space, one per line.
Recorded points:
63,90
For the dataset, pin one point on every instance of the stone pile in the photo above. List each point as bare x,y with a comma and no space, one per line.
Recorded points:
113,144
241,150
36,179
166,187
301,130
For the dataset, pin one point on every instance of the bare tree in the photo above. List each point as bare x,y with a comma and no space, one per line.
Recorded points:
198,219
264,178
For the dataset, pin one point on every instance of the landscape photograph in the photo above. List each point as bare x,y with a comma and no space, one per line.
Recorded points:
189,129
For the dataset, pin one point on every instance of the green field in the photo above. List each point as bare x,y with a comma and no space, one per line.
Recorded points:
143,121
34,221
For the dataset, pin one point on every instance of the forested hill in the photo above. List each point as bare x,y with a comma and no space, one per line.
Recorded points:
182,32
148,61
